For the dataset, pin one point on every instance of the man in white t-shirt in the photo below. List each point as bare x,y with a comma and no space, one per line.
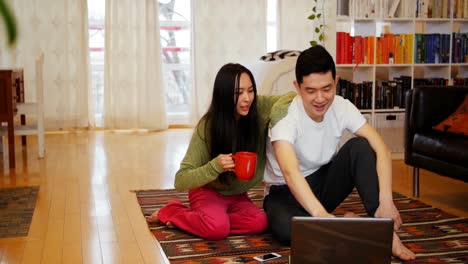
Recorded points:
305,174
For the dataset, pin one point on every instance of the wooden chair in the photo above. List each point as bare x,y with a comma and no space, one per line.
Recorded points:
30,109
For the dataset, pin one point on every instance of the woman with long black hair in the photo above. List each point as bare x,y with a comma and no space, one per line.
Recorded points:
236,120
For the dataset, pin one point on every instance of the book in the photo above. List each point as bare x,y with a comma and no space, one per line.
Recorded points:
393,8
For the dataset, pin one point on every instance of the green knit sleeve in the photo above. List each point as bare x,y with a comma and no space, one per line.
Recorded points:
197,168
280,108
266,102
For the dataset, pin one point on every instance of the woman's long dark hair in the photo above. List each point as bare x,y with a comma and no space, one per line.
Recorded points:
225,134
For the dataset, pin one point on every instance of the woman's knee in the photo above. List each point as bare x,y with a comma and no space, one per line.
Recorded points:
252,221
215,231
259,223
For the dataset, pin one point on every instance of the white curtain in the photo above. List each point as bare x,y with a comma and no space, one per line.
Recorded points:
134,91
295,29
224,31
59,29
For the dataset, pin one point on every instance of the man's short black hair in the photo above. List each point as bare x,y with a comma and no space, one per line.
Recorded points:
315,59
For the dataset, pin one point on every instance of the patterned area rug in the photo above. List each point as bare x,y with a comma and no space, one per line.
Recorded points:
435,236
16,210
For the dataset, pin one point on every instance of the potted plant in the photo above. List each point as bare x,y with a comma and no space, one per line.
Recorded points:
9,20
319,28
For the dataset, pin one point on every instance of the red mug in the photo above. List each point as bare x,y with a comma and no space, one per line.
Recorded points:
246,164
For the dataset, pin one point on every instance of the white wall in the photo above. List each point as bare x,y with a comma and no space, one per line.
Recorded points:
295,29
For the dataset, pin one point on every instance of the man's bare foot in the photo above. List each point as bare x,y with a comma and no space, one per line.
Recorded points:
401,251
398,249
350,214
153,218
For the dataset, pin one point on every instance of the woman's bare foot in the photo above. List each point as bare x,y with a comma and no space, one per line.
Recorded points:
401,251
153,218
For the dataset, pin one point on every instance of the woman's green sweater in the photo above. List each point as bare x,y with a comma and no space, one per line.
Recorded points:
198,169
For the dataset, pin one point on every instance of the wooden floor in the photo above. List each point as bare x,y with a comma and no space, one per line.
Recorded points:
86,212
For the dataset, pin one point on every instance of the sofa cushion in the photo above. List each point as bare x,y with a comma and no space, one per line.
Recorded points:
443,146
430,105
457,122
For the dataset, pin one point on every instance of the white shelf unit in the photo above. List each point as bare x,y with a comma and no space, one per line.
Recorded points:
390,122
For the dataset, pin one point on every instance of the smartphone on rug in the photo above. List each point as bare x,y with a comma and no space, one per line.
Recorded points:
267,257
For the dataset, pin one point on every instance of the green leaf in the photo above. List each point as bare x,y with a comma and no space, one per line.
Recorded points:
321,37
312,17
9,21
313,43
314,9
317,30
319,15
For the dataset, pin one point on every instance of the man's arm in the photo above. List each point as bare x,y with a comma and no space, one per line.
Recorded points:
287,160
384,172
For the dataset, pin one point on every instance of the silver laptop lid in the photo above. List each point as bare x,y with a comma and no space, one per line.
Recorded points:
341,240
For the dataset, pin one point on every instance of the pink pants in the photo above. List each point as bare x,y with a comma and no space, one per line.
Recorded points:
214,216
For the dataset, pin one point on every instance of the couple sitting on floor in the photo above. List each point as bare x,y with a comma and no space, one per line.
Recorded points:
296,138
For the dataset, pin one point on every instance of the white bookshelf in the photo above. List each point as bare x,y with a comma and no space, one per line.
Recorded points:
390,122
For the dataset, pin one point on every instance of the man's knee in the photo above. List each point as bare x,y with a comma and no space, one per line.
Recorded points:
281,229
283,235
279,217
361,146
359,142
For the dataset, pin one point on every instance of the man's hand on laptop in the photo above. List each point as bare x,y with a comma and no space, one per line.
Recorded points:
390,211
321,212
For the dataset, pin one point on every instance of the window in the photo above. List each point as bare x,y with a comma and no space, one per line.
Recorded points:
175,29
272,31
175,18
96,26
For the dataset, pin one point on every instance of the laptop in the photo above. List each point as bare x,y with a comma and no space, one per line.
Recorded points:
341,240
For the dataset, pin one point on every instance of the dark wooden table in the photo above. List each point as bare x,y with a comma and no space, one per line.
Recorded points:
11,92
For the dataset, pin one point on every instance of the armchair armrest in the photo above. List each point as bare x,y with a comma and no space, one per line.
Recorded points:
440,152
409,130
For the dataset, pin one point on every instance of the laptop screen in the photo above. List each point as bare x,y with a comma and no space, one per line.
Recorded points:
341,240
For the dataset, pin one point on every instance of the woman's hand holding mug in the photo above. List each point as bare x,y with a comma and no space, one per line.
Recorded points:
226,162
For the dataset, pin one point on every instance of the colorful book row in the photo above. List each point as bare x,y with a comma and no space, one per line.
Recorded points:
391,49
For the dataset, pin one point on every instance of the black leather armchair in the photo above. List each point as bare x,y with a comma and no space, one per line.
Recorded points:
440,152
